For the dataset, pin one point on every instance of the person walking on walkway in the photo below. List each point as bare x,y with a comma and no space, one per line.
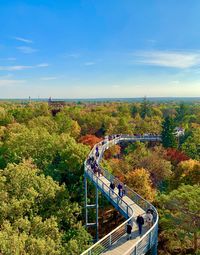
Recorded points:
140,222
128,231
124,190
120,190
99,171
149,219
112,186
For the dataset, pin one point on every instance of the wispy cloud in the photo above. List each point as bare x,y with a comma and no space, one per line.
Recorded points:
74,55
49,78
176,59
21,39
42,65
26,49
21,67
9,82
14,68
89,63
8,59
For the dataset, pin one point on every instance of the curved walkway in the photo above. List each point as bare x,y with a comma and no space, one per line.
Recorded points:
130,206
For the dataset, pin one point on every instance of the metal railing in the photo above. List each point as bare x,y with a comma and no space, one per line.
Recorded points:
149,239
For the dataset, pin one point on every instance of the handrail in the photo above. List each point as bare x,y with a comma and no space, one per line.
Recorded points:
151,235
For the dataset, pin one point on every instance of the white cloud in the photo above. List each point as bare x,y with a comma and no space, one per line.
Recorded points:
7,82
21,39
20,67
42,65
14,68
89,63
49,78
26,49
176,59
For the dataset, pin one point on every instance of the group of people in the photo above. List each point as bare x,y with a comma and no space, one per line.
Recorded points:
121,188
140,222
92,162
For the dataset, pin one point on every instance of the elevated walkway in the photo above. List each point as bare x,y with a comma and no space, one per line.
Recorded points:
130,206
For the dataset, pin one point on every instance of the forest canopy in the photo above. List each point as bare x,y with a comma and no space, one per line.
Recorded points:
41,176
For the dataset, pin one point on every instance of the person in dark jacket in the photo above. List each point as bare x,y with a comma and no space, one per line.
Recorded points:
140,222
97,154
112,186
128,231
120,190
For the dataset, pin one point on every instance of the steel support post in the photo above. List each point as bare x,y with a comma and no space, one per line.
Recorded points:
97,214
86,209
154,249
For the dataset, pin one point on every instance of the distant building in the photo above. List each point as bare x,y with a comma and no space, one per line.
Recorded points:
56,105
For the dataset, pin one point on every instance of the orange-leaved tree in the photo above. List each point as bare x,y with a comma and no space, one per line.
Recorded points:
90,140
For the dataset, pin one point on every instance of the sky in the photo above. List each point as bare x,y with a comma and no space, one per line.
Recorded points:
99,48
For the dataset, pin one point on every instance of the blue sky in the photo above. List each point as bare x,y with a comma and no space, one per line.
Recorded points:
99,48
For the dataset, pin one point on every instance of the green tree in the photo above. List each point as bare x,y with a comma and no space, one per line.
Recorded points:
36,214
180,212
168,137
145,108
46,122
191,145
67,125
182,111
35,143
5,117
134,110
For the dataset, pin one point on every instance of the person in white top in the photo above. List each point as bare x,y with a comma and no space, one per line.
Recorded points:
149,219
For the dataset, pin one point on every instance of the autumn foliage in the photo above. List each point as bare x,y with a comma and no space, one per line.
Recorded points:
139,180
112,151
175,156
90,140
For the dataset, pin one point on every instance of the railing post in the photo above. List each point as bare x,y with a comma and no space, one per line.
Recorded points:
97,214
150,240
110,240
86,210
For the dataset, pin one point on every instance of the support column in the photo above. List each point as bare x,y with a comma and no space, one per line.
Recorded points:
97,214
154,249
86,208
91,206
